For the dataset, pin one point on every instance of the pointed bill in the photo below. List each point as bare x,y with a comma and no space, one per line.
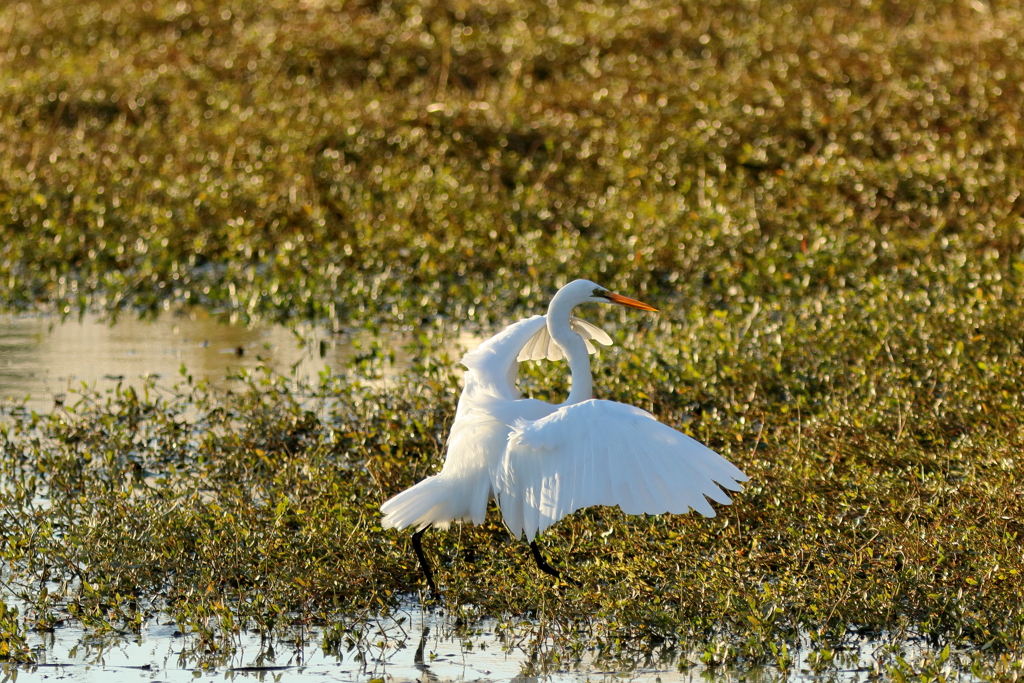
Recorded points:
632,303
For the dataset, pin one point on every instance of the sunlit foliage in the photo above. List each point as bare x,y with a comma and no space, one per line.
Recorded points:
351,160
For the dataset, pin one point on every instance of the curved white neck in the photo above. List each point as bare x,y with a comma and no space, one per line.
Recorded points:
575,350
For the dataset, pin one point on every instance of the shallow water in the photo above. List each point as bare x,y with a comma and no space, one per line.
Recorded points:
419,646
42,358
411,645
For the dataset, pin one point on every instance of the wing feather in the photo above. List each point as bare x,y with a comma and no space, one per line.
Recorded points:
647,494
542,347
606,453
494,364
590,331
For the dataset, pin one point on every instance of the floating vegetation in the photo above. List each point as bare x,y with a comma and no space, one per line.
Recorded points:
869,514
353,161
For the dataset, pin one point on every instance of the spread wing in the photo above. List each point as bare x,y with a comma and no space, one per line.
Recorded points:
494,364
496,361
541,345
605,453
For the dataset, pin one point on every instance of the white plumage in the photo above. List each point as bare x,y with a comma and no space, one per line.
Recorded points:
605,453
542,462
542,347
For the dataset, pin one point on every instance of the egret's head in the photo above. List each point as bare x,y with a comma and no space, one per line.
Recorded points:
584,291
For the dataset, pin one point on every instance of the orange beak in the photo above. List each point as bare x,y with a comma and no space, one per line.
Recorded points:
632,303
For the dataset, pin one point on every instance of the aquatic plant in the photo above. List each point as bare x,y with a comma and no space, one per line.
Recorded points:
351,162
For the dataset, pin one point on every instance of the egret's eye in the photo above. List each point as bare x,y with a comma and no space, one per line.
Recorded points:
599,293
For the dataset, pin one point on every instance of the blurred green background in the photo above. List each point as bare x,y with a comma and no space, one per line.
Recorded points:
327,160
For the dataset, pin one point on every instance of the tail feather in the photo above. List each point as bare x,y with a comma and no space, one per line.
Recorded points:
434,501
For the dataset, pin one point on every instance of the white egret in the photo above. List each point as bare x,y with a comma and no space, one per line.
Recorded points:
541,461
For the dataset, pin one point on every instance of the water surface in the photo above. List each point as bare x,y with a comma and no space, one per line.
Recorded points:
410,645
42,358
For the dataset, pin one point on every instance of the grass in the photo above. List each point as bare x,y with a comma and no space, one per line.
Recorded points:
825,201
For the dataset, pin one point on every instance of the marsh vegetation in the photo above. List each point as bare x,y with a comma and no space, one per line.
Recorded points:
824,200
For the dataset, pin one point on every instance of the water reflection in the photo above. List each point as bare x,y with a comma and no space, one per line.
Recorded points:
413,644
42,358
410,645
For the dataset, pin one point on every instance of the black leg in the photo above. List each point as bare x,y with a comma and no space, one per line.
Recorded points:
424,565
547,568
418,657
